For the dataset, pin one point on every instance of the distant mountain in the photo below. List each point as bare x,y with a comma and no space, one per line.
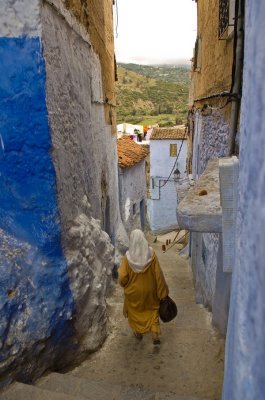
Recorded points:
152,94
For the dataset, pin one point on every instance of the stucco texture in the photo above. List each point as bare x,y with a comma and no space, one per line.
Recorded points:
36,301
59,192
17,20
132,191
97,18
214,75
210,141
85,159
245,347
162,203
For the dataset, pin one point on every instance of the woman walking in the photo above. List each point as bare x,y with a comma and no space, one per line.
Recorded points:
144,286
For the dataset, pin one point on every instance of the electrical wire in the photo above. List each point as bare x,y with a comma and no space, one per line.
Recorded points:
174,166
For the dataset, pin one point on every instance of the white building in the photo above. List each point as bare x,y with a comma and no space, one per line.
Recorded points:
165,145
129,128
132,183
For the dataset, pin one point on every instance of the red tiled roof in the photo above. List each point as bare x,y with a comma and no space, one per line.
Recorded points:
177,133
129,152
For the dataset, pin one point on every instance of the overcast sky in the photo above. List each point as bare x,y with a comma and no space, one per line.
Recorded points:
155,31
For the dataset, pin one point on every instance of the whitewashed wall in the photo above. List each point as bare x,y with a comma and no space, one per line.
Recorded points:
132,191
85,160
160,161
161,206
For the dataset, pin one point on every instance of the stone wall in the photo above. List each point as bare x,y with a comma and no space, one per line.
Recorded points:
245,347
132,192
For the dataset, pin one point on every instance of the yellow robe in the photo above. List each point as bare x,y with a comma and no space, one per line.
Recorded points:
142,294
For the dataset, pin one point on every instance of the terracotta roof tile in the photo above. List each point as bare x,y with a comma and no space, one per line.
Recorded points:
129,152
169,133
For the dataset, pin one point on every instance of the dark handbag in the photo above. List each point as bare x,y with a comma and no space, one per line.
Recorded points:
167,309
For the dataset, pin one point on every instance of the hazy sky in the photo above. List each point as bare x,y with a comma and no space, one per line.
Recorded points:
155,31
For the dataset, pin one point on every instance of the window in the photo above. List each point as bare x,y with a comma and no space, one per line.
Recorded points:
173,150
134,208
223,17
226,18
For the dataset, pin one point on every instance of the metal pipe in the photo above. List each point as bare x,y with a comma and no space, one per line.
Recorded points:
237,84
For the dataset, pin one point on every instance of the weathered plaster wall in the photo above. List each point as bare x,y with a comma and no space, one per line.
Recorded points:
132,191
18,20
221,300
36,300
245,347
214,75
57,156
213,138
210,140
97,18
85,159
204,248
83,148
161,206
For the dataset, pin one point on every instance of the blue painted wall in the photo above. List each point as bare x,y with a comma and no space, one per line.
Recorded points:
245,346
35,299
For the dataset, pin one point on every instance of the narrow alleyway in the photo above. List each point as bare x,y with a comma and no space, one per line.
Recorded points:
190,359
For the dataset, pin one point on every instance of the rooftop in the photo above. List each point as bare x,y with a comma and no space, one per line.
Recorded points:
129,152
177,133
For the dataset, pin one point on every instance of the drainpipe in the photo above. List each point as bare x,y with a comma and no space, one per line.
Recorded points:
238,71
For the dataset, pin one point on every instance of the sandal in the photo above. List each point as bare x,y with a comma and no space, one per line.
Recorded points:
156,342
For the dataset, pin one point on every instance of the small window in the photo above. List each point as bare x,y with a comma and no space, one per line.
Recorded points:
134,208
173,150
226,18
223,17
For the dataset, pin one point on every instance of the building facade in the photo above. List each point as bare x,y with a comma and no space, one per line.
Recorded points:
132,183
213,132
165,145
59,201
245,344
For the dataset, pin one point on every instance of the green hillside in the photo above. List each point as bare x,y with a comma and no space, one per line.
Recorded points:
152,94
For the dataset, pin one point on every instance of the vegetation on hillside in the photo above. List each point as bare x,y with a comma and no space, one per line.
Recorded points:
152,94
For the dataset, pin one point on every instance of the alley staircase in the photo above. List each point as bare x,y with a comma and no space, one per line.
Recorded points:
68,387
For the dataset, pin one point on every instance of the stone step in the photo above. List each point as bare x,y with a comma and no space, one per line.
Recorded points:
89,389
169,396
20,391
68,387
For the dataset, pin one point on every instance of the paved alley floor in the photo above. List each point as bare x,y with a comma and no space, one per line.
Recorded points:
189,361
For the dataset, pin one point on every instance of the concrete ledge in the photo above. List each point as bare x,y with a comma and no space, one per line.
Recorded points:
200,210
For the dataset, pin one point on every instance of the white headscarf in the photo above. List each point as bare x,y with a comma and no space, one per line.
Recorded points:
139,253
